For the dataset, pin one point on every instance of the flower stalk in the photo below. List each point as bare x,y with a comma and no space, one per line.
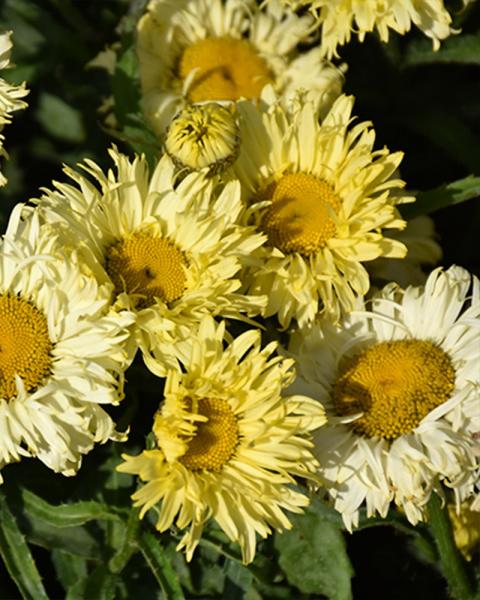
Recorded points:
452,563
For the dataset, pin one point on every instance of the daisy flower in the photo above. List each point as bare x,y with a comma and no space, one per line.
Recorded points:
172,250
327,199
400,384
214,50
339,18
61,356
10,95
229,443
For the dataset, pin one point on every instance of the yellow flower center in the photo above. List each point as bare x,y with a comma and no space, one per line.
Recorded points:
300,216
148,266
395,384
215,440
225,69
25,345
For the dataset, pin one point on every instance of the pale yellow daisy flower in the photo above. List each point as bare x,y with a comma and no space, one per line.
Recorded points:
214,50
62,356
400,384
229,443
10,95
172,249
340,18
327,196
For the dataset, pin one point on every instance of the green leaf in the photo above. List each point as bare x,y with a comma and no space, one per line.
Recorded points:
65,515
313,555
59,119
77,540
17,556
128,545
462,49
70,569
125,85
445,195
100,584
161,567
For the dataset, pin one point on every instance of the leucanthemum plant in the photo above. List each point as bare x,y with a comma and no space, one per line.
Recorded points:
338,19
192,51
326,201
10,95
400,386
172,250
228,443
61,351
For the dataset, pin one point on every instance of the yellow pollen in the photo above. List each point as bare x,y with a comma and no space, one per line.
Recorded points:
226,69
300,216
25,345
148,266
395,384
215,440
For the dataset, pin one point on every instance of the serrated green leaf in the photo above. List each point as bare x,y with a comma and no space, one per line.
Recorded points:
313,555
17,556
60,119
445,195
65,515
160,566
462,49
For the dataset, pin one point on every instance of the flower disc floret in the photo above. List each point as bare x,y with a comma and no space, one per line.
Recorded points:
301,215
25,345
147,266
395,385
223,68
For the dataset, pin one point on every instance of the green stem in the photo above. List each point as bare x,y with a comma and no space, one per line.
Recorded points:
452,562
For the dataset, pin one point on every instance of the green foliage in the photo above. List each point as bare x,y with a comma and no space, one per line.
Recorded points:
443,196
17,557
313,554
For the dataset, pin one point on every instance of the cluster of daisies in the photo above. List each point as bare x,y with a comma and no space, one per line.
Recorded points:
269,208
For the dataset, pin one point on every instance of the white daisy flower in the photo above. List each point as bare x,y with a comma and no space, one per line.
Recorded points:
214,50
400,384
61,351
